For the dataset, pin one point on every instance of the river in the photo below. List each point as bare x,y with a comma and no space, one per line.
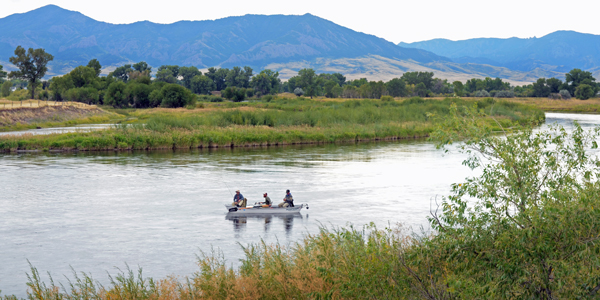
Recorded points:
97,211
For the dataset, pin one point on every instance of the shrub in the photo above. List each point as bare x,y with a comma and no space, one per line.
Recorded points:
235,94
387,98
174,95
5,92
505,94
87,95
267,98
138,94
565,94
298,92
554,96
482,94
155,98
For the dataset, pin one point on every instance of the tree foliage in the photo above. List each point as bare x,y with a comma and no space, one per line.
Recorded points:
31,65
527,227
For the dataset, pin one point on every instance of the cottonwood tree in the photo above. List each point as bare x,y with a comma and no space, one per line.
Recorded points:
32,65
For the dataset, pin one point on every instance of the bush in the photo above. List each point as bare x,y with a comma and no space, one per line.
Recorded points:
5,92
267,98
87,95
155,98
387,98
482,94
554,96
138,94
505,94
565,94
174,95
235,94
298,92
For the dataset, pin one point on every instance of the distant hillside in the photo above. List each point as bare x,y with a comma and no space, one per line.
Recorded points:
282,43
254,40
560,51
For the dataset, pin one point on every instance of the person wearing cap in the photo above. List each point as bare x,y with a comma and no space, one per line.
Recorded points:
288,200
267,200
238,200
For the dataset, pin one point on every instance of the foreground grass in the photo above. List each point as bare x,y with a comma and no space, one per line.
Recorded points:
279,122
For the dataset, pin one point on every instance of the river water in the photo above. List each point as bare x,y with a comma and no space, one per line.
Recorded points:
95,212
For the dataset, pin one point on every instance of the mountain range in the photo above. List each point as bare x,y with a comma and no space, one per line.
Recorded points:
285,43
560,51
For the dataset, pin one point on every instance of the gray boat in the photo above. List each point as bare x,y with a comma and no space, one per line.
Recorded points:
259,210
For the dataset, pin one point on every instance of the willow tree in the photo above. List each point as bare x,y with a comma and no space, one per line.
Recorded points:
31,64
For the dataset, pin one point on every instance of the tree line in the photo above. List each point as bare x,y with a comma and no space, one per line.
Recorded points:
132,85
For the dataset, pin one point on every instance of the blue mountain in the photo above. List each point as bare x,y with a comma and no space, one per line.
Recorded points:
559,51
254,40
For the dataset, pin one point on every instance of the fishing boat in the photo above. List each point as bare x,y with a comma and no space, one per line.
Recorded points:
262,210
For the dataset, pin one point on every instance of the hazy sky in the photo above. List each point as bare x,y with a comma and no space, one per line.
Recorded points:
396,21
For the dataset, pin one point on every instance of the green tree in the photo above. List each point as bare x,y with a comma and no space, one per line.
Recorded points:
540,89
115,94
421,90
5,91
576,77
458,88
329,88
32,66
2,74
188,73
554,84
218,77
396,87
174,95
95,64
309,82
419,77
266,82
138,94
584,92
83,76
201,84
142,67
167,74
121,73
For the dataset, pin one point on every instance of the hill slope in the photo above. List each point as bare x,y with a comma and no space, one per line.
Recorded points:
254,40
559,51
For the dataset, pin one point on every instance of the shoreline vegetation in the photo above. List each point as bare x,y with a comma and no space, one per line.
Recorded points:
272,122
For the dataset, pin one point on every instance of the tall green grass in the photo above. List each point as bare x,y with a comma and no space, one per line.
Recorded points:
286,121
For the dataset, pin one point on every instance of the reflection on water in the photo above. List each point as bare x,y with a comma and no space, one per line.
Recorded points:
240,222
94,211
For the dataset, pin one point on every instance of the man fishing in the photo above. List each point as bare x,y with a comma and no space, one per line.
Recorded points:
238,200
267,200
288,201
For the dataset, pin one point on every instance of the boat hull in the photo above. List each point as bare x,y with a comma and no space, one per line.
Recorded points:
265,210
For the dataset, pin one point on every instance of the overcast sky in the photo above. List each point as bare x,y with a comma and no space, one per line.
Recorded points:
395,21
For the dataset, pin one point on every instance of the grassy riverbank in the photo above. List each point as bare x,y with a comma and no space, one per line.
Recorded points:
276,122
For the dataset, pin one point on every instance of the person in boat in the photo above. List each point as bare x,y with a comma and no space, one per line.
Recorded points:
238,199
288,201
267,200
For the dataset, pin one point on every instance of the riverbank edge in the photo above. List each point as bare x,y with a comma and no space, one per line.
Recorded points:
223,146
